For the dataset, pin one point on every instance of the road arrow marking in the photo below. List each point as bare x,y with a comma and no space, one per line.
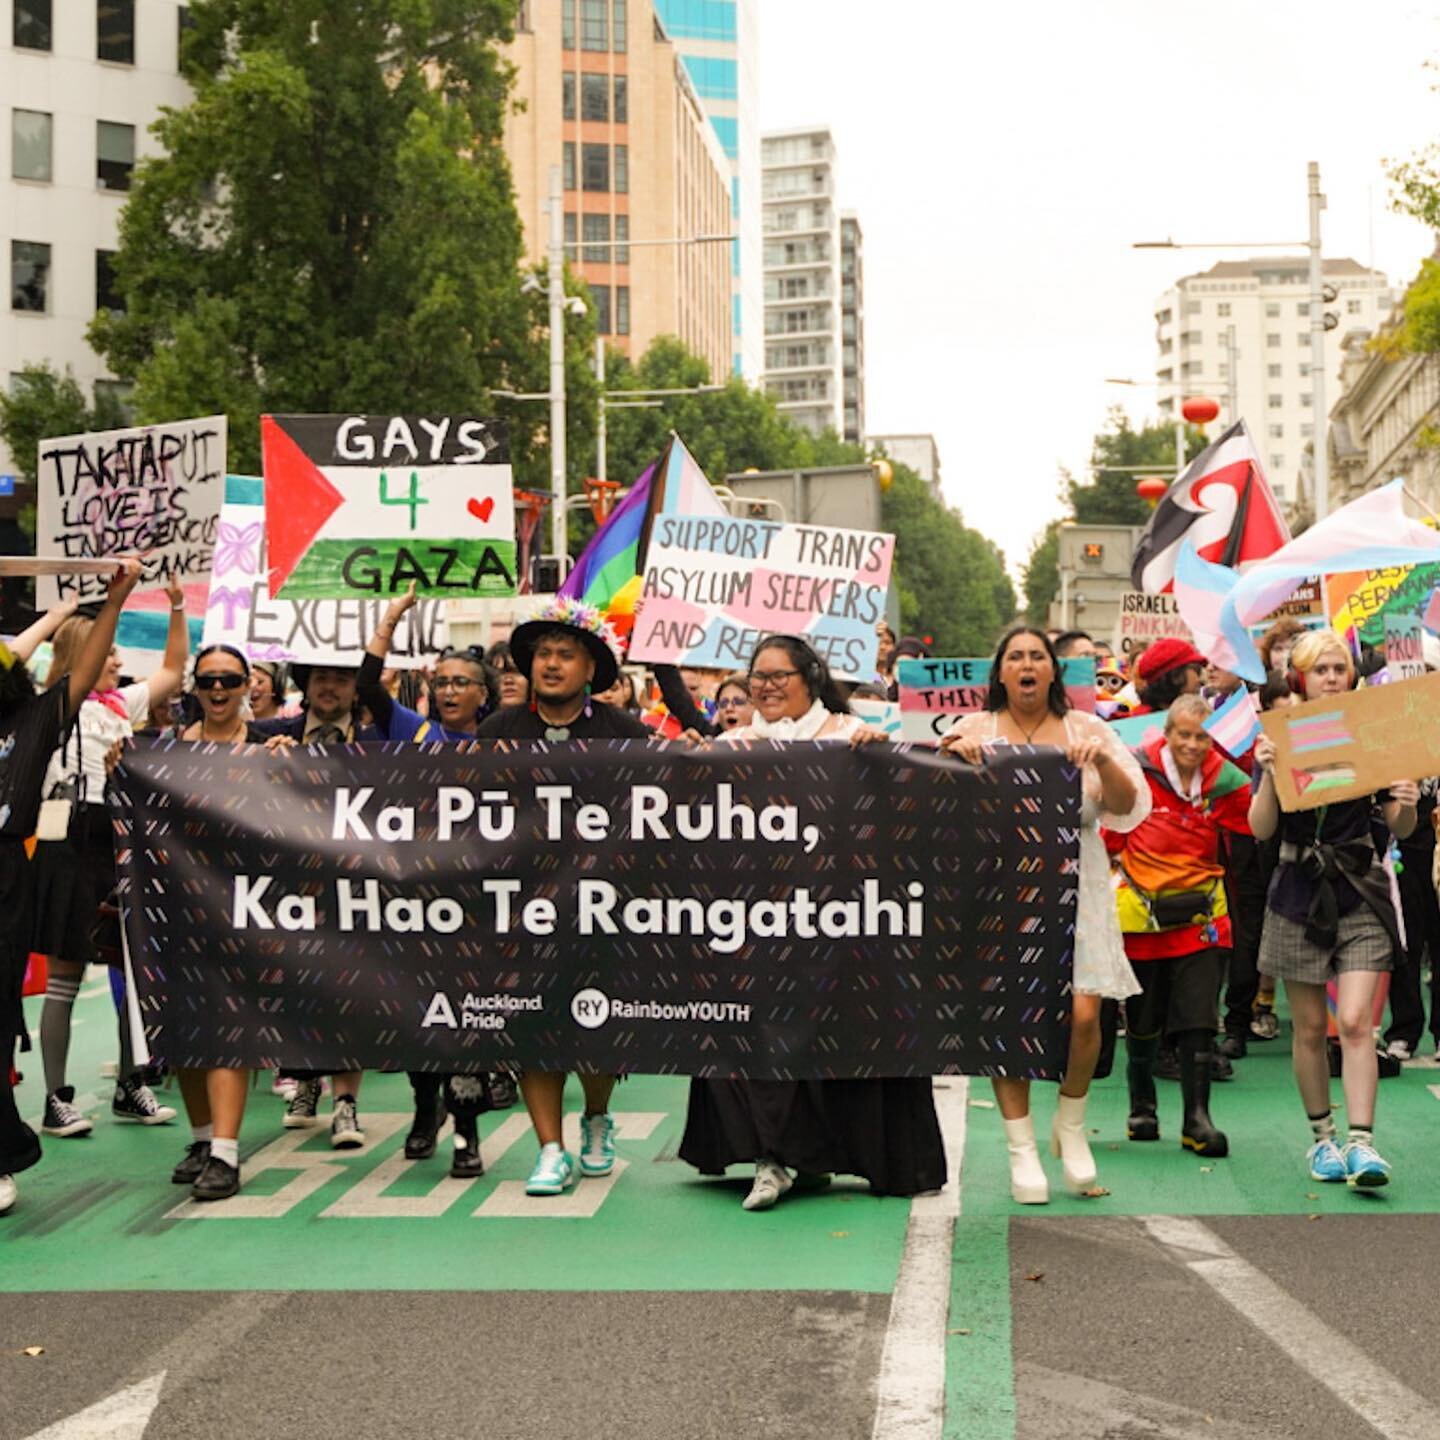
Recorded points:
121,1416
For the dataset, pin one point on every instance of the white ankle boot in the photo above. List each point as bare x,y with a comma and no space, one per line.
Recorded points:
1067,1140
1028,1185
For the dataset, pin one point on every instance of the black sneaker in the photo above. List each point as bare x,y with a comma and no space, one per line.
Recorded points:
62,1117
425,1128
503,1093
466,1163
1231,1045
187,1172
301,1108
135,1104
217,1181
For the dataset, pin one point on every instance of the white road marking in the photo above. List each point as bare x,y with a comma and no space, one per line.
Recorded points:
910,1390
1371,1391
1434,1090
121,1416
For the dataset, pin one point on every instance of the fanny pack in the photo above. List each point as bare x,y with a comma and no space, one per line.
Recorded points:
1175,908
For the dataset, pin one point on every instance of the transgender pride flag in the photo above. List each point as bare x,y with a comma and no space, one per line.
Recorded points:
1234,725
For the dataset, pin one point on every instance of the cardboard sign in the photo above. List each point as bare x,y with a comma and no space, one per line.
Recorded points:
151,490
1145,619
1349,745
36,565
240,612
935,693
362,506
1360,601
716,585
1404,647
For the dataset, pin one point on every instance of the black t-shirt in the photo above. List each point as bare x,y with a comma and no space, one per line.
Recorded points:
604,722
29,735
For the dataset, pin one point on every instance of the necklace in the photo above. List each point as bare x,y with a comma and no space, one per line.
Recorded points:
1030,734
235,736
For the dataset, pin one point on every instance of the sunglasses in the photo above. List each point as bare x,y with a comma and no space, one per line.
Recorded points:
223,679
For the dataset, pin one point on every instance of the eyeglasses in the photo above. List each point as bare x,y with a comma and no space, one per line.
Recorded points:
732,702
221,679
770,679
454,682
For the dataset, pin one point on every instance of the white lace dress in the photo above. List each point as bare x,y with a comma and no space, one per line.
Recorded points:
1100,965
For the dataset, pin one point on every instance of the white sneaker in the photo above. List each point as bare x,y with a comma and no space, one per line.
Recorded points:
8,1193
1399,1050
771,1182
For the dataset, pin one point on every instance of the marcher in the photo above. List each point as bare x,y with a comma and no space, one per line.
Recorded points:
1027,705
268,681
883,1130
514,686
734,705
31,726
1174,914
1330,915
1165,670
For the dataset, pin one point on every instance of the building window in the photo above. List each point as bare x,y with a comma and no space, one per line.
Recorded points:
570,234
622,100
30,27
620,28
522,18
622,169
622,309
622,252
595,168
568,154
594,30
1272,310
595,97
600,294
1274,371
1277,432
567,95
1307,399
596,228
1302,309
1304,370
107,297
184,24
1353,307
1307,431
567,24
29,276
1277,462
31,134
114,155
1273,341
115,31
1223,309
1275,402
1303,338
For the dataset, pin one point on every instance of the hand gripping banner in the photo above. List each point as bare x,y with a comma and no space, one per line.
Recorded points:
761,911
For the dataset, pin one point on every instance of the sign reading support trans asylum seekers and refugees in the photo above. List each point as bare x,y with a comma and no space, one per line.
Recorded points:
240,612
1145,619
153,490
757,910
715,585
361,506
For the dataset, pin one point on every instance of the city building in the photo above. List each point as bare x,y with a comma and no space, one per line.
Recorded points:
601,91
919,452
1239,332
803,278
80,83
852,325
719,42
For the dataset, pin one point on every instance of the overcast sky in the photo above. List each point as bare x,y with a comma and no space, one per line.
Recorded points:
1002,158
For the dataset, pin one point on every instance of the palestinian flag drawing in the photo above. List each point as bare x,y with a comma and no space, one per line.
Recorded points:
359,506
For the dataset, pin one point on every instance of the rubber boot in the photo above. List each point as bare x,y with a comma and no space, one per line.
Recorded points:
429,1116
1144,1122
1198,1133
1028,1185
466,1163
1067,1140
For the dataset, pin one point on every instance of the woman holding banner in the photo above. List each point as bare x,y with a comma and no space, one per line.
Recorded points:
1026,705
1329,914
884,1130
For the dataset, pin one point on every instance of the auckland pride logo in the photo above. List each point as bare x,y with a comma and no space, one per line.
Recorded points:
359,506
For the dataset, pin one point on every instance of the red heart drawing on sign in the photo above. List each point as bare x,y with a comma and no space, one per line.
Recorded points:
481,509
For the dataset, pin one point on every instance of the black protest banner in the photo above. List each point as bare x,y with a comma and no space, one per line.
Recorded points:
762,910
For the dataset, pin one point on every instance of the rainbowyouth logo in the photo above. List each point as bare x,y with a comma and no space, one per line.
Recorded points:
590,1009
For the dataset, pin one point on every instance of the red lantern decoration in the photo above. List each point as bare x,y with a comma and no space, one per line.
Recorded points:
1200,409
1151,489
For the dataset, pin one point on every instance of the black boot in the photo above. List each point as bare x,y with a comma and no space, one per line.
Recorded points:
1140,1072
1198,1133
466,1164
429,1116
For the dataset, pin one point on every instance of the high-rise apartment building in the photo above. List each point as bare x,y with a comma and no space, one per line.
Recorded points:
1240,333
804,360
719,42
604,94
80,83
852,325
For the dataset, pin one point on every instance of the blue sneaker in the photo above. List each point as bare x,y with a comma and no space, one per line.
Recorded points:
597,1145
1364,1169
1327,1164
554,1171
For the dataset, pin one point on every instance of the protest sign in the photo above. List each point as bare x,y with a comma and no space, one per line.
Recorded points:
240,612
1306,605
1360,601
1404,646
1145,619
881,715
756,910
1077,674
151,490
935,693
361,506
1353,744
715,585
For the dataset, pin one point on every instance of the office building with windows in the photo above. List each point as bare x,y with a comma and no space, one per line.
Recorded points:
80,83
852,325
1239,332
603,93
719,42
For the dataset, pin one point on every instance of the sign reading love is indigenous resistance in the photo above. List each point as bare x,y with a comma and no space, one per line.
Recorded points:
758,910
368,505
151,490
715,585
1353,744
240,612
1145,619
935,693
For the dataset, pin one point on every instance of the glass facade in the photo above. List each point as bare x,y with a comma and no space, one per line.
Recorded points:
115,31
30,25
31,145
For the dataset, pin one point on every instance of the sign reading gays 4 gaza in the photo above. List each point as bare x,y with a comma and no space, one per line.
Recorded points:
715,585
366,505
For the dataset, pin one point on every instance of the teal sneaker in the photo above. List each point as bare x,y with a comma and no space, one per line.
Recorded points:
597,1145
1327,1164
553,1173
1364,1169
